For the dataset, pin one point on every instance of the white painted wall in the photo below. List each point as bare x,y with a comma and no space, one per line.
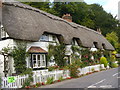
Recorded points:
5,43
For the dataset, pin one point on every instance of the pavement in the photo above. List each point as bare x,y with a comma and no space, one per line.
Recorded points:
108,79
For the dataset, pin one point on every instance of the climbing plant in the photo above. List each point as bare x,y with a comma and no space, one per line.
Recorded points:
96,55
58,51
19,55
76,52
86,56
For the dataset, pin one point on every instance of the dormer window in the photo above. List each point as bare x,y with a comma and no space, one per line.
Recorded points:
95,45
74,42
103,46
44,37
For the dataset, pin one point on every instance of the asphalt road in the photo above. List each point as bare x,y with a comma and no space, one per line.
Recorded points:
104,79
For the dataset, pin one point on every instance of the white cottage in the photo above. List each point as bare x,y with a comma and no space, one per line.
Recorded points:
21,22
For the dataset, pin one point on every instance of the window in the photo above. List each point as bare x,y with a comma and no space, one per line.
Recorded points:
95,45
38,60
54,38
74,42
44,37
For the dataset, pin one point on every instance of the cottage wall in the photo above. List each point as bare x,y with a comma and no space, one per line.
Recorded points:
6,43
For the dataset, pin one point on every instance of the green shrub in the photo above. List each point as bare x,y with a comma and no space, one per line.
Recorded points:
60,78
50,80
104,61
74,71
26,83
93,69
51,68
114,65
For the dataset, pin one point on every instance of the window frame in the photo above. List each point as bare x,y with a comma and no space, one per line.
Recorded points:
39,62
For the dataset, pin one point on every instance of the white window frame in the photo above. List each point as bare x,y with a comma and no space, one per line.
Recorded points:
54,38
41,61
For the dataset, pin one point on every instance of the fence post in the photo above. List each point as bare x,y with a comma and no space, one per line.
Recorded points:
17,81
2,82
55,75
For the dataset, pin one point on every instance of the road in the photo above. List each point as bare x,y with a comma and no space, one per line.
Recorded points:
104,79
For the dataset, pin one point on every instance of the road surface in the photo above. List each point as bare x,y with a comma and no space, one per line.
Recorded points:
104,79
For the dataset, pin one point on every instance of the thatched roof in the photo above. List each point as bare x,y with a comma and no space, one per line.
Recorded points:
27,23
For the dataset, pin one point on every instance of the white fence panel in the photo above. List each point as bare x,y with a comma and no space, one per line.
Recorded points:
19,80
41,76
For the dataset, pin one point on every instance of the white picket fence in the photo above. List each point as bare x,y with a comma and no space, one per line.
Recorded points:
17,84
39,76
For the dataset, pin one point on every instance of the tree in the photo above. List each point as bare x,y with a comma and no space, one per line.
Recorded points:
113,39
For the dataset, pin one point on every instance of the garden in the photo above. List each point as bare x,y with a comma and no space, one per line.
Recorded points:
81,58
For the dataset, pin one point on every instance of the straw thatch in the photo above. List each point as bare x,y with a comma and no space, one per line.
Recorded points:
28,23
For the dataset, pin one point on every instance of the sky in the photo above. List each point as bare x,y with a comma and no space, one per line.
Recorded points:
111,6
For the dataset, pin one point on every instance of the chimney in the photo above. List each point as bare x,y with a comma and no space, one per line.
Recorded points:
99,31
67,17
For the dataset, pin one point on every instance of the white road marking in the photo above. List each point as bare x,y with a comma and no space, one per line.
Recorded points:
118,77
96,83
92,87
115,74
106,86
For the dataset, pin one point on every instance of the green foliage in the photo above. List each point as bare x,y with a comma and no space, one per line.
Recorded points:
60,78
96,55
19,55
58,52
26,83
76,51
50,80
114,65
86,57
5,50
28,72
112,38
104,61
74,71
51,68
93,69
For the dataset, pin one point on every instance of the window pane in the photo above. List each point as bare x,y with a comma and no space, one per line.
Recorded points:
34,61
39,63
34,57
44,38
54,38
38,57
